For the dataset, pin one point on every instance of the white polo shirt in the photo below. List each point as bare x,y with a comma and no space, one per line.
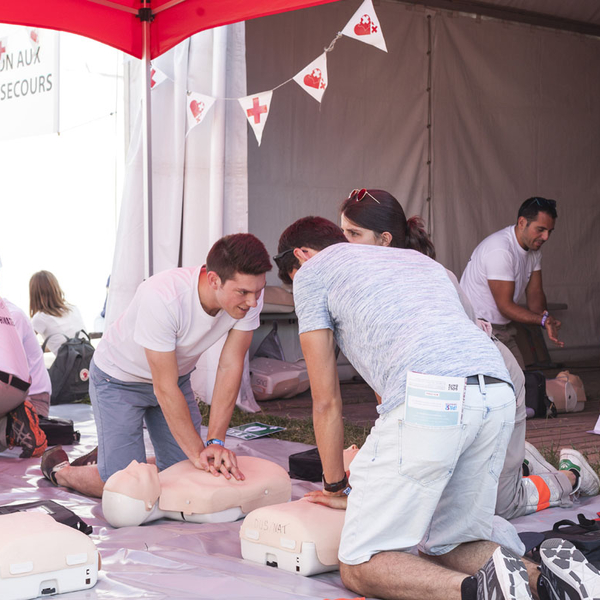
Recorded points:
498,257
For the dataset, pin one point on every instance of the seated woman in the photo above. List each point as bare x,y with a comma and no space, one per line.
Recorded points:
52,317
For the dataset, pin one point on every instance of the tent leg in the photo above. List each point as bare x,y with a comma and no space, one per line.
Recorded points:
147,152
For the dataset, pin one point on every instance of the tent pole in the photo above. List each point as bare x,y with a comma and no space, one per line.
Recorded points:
147,151
217,142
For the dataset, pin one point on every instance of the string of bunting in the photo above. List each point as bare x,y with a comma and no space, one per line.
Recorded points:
363,26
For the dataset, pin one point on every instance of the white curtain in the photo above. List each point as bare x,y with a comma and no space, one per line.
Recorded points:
199,181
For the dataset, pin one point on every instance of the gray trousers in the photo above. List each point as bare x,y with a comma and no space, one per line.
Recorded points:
518,495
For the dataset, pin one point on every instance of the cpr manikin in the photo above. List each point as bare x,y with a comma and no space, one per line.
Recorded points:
139,493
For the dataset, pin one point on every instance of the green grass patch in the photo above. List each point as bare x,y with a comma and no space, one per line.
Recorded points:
297,430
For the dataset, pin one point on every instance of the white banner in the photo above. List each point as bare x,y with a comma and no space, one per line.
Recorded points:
364,26
313,78
256,108
28,81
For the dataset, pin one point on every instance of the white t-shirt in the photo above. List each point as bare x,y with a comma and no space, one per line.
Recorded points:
12,355
165,315
40,379
48,325
498,257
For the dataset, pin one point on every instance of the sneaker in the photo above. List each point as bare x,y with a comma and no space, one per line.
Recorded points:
54,460
588,483
91,458
566,573
24,430
503,576
536,463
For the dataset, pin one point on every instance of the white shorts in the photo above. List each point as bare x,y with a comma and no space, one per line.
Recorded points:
432,486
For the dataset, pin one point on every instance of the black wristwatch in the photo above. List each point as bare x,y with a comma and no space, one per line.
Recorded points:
335,487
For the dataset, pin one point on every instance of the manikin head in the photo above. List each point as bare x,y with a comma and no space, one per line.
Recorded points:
535,222
235,273
129,495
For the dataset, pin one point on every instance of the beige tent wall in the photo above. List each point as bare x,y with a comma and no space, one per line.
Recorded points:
515,109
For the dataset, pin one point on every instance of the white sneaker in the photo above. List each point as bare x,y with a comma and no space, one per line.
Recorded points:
503,577
566,573
536,462
589,483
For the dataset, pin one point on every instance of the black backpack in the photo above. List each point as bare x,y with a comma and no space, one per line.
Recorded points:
70,371
535,395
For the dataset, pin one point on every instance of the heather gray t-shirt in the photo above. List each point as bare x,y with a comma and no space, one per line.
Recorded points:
392,311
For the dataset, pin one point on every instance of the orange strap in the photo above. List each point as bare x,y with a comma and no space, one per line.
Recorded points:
543,492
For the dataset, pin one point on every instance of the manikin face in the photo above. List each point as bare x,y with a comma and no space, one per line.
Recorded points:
238,295
358,235
532,236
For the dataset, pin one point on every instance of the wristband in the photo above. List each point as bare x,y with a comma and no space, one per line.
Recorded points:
347,491
335,487
215,441
545,316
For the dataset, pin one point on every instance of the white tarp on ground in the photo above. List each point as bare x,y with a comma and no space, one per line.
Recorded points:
171,560
515,113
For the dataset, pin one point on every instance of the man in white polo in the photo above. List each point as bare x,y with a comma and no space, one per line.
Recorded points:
508,264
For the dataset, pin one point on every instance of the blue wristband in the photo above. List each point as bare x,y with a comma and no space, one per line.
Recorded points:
347,491
215,441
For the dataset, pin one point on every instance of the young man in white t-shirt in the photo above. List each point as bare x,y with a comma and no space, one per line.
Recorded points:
507,264
141,370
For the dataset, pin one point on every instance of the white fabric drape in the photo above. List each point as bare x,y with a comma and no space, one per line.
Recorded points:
184,203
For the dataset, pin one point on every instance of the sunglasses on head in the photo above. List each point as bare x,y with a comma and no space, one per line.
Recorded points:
543,202
360,194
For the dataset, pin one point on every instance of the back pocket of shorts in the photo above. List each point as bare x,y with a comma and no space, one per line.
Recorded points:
429,454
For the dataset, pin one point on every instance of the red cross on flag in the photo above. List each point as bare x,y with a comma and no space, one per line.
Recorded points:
256,108
197,107
364,26
156,76
313,78
3,45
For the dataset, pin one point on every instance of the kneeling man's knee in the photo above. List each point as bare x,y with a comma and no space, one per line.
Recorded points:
352,577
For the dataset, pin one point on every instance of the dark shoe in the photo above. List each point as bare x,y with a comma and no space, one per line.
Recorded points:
566,573
53,460
91,458
24,430
503,577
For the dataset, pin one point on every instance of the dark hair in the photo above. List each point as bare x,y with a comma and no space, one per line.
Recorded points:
238,253
532,206
379,211
45,295
312,232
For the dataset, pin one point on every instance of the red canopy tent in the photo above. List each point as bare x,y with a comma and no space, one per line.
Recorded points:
145,30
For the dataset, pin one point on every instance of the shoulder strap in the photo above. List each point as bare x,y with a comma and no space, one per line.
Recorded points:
46,340
67,371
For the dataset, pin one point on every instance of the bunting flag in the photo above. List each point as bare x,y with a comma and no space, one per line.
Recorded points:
34,37
156,76
198,106
364,26
313,78
256,108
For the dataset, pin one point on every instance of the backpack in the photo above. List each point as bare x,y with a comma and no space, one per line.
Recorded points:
70,371
584,535
535,395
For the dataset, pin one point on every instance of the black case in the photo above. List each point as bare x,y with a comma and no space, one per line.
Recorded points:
56,511
59,431
535,395
306,465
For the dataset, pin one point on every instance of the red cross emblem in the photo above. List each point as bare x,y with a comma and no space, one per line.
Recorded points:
256,110
2,48
152,82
